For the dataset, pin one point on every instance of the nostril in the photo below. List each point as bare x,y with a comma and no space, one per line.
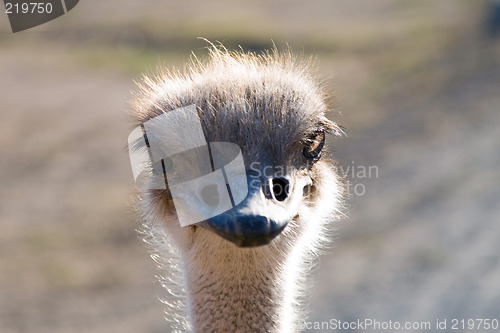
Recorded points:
281,188
210,195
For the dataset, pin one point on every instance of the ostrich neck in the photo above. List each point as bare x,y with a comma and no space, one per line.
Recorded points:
238,290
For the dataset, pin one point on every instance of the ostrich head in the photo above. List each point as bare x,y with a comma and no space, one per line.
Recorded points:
273,108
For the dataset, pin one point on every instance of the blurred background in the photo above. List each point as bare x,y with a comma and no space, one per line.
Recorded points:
417,86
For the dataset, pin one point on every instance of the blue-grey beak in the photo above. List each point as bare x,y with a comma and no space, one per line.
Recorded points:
261,216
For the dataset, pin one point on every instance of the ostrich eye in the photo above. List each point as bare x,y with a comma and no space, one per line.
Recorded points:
314,144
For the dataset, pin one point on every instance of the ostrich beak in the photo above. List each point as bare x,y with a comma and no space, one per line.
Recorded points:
269,205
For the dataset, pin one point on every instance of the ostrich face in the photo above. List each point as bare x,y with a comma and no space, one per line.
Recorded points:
280,163
273,109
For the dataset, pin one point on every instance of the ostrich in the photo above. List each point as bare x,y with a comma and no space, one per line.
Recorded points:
245,270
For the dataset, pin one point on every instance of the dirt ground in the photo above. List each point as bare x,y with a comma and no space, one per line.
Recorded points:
417,84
